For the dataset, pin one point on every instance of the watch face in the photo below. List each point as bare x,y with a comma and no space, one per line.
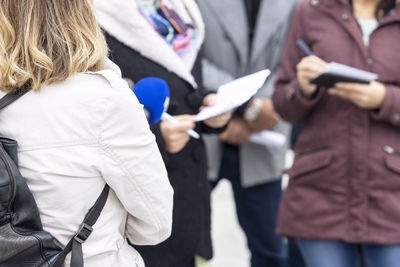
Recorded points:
251,113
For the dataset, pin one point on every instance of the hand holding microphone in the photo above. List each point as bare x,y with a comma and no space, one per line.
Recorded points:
153,94
172,119
175,134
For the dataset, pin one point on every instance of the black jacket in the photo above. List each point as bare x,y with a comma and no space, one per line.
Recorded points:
187,169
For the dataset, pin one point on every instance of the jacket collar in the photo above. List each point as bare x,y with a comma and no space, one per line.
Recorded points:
270,16
231,14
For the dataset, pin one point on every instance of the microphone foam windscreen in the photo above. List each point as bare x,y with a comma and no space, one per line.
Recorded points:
152,93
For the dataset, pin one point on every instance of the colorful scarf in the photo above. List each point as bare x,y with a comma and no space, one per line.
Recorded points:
181,36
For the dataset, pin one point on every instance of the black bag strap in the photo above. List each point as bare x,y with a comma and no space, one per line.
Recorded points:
75,244
11,97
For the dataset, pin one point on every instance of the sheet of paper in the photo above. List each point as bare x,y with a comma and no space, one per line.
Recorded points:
233,94
268,138
344,70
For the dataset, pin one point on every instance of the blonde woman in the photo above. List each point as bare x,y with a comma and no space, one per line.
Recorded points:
78,128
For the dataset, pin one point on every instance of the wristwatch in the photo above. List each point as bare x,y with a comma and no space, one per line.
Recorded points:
251,113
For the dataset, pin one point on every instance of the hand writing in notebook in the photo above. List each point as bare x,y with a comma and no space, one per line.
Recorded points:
309,68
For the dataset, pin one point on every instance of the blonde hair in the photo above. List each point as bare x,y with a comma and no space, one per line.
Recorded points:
46,41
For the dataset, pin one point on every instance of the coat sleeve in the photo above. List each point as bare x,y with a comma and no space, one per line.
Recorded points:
133,168
288,100
390,110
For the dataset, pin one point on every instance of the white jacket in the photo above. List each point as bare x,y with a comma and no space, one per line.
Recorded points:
74,137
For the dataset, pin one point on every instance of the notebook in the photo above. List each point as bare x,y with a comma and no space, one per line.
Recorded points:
336,72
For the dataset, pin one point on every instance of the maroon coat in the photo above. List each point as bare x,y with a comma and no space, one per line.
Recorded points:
345,181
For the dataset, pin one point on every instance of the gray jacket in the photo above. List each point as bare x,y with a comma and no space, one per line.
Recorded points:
227,56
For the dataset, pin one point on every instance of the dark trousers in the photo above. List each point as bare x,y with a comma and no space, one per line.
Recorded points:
257,209
295,259
191,264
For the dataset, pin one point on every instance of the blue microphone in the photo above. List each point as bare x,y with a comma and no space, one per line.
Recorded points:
153,94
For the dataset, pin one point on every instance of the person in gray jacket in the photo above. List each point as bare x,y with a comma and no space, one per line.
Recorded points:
242,37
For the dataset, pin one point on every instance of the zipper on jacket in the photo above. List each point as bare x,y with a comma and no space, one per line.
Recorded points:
311,150
13,178
390,150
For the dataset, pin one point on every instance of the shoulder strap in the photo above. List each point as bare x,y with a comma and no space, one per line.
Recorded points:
75,244
10,98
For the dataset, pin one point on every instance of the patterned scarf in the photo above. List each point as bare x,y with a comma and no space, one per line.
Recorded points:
164,19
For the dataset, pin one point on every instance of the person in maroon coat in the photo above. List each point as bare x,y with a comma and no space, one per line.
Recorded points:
344,191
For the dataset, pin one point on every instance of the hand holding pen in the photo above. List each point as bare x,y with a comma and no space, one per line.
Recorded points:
308,68
176,131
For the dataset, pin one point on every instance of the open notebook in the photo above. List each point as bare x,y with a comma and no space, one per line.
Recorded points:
336,72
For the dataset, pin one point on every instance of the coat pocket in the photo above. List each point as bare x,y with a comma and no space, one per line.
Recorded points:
392,159
310,162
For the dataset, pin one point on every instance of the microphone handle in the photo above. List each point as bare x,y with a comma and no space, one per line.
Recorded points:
146,113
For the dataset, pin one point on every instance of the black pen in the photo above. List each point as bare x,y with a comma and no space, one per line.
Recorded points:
304,47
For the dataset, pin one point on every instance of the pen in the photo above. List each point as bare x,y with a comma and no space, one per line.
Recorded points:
306,50
166,117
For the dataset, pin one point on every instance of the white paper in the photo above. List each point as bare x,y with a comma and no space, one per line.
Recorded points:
235,93
347,71
268,138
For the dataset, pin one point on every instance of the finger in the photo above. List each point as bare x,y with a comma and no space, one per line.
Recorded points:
355,90
309,75
347,95
185,122
209,100
185,117
319,61
356,99
354,87
314,61
213,122
310,68
338,92
350,84
185,125
181,126
220,118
